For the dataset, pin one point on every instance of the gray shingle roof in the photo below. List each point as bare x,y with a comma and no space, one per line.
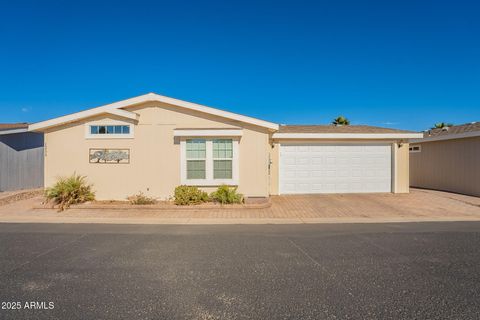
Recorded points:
337,129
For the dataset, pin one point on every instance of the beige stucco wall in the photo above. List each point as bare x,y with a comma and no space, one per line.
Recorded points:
274,167
402,177
154,166
400,159
450,165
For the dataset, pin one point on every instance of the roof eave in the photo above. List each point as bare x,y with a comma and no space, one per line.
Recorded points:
463,135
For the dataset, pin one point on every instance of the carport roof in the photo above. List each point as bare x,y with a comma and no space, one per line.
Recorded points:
8,126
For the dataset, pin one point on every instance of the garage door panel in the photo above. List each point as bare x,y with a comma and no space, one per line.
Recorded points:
331,168
289,161
302,161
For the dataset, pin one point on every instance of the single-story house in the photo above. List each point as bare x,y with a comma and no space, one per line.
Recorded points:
152,143
447,159
21,157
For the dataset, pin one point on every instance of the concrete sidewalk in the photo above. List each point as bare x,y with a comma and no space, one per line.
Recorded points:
219,221
419,205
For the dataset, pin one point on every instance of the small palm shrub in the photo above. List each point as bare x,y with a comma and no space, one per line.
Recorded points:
69,190
188,195
141,198
226,195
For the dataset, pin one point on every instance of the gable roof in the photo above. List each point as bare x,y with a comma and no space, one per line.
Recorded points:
116,108
467,130
341,132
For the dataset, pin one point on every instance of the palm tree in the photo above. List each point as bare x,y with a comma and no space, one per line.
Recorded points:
341,121
442,125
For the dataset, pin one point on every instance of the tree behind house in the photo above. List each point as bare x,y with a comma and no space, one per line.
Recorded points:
341,121
442,125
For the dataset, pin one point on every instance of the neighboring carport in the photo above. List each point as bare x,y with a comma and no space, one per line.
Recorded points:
21,157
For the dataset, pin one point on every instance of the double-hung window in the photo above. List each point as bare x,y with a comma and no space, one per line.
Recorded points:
209,161
196,159
222,158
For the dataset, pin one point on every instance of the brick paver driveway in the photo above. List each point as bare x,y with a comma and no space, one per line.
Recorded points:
418,203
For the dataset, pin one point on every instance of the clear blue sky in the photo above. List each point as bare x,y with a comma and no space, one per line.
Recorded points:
402,64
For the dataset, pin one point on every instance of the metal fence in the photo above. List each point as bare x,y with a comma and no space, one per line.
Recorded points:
21,161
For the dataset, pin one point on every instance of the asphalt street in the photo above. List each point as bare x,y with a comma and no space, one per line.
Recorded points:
327,271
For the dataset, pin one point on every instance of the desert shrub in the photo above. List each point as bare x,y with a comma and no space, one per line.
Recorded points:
188,195
69,190
226,195
141,198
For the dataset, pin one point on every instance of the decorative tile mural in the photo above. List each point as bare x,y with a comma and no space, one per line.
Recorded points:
110,156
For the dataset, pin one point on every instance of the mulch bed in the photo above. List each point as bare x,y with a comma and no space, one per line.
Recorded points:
19,195
168,205
160,205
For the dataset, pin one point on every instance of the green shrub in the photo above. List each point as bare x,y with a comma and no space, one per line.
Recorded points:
188,195
226,195
69,190
140,198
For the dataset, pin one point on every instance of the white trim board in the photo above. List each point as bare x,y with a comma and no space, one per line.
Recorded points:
207,132
115,108
12,131
471,134
124,114
347,135
394,151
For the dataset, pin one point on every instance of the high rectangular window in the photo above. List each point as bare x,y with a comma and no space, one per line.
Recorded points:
110,129
414,149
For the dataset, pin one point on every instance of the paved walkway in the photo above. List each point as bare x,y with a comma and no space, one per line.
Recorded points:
419,205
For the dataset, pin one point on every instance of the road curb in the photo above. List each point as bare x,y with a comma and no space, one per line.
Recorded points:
220,221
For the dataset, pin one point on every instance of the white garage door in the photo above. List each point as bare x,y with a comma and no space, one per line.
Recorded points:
335,168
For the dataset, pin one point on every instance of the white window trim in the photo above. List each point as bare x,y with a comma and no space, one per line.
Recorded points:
109,122
207,133
209,181
415,151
